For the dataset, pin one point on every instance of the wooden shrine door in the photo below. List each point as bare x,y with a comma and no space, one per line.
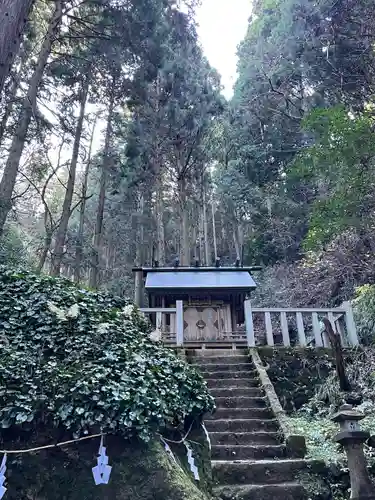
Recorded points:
206,323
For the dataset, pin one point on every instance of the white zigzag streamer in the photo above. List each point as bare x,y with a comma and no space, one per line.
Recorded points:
207,435
102,471
3,469
168,450
193,467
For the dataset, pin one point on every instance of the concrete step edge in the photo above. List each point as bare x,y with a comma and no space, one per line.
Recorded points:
249,488
269,420
224,361
264,413
258,486
254,399
240,399
249,446
219,387
241,367
280,461
242,409
262,433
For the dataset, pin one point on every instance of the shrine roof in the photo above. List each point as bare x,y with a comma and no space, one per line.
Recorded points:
238,279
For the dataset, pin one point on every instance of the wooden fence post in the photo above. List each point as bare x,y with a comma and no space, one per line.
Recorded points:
249,324
284,329
138,289
179,323
316,330
301,329
269,333
350,324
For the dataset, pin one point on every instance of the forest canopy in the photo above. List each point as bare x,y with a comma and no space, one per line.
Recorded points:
119,149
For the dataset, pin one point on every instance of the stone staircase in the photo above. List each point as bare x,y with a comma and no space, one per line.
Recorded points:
248,456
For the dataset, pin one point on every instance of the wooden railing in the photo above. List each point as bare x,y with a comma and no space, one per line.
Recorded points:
266,326
304,322
161,316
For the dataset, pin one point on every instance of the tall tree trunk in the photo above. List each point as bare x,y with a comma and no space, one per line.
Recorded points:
58,251
214,229
97,240
184,224
28,106
236,243
160,231
159,209
139,252
205,229
46,248
201,236
13,17
240,240
79,245
12,97
201,224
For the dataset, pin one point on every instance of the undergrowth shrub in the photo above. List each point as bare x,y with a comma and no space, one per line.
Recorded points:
82,361
364,311
313,420
360,369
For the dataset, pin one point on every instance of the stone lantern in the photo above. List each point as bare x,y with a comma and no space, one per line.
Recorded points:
352,439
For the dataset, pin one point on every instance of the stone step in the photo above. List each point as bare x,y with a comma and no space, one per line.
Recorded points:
228,382
242,425
245,438
246,452
229,375
241,402
207,353
241,413
230,370
237,392
221,360
284,491
257,472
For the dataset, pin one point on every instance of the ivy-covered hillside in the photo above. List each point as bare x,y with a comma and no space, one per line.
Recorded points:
83,362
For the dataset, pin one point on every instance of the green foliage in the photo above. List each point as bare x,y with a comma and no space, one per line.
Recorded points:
312,366
302,68
364,311
83,361
318,434
313,375
314,420
342,158
13,247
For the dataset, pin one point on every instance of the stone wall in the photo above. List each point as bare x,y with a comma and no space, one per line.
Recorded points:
140,471
296,373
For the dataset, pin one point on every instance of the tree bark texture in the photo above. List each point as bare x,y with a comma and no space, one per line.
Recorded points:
201,237
13,17
214,229
205,230
139,252
46,249
236,244
335,341
160,232
80,235
97,240
28,107
12,96
58,252
184,224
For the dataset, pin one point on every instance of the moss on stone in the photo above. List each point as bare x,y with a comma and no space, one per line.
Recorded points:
202,456
296,373
140,471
